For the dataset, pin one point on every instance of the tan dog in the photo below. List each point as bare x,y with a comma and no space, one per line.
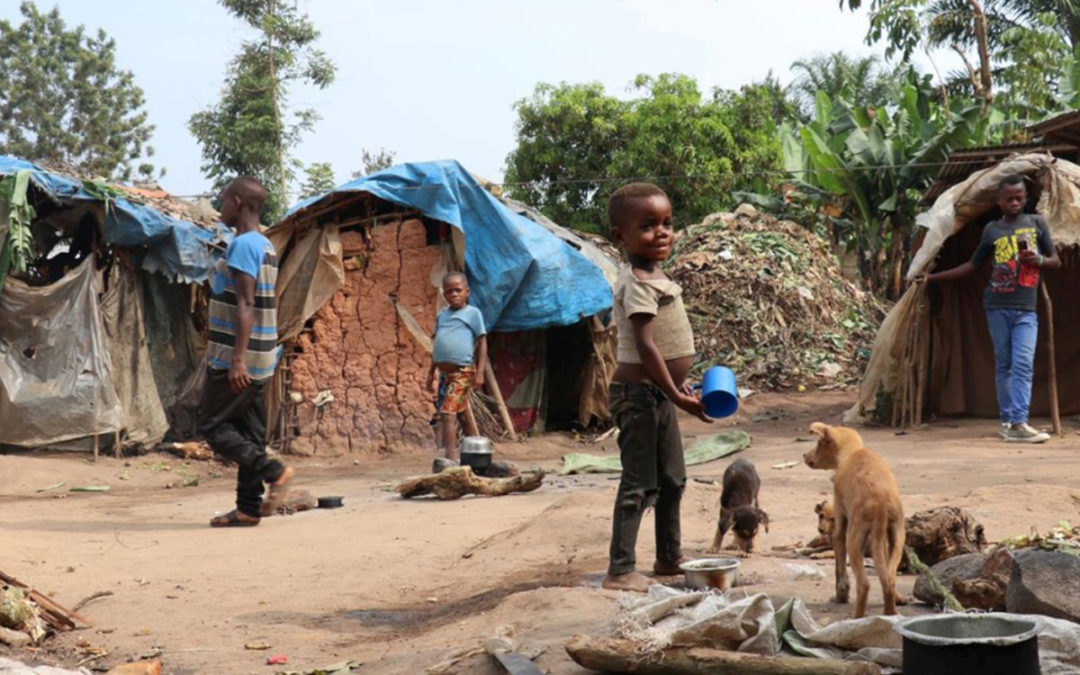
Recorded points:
825,521
866,500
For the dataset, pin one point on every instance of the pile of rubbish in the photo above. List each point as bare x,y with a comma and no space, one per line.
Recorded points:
767,299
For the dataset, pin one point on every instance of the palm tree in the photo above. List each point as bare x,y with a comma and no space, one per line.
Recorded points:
860,80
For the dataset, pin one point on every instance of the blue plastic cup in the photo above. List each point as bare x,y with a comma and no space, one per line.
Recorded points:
718,392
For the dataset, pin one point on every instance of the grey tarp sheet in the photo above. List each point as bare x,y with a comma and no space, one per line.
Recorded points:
56,376
122,314
739,621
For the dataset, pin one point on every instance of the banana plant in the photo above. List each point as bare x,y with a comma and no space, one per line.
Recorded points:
876,161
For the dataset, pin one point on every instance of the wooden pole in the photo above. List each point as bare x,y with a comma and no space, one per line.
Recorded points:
116,444
492,385
1055,410
614,655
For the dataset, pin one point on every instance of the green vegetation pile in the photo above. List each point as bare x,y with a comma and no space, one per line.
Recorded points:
767,299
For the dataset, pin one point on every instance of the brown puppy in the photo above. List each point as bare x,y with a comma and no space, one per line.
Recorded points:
825,522
866,500
739,507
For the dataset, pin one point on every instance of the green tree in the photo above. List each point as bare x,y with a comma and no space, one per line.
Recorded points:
874,163
250,131
860,79
374,162
1018,43
62,98
576,144
320,180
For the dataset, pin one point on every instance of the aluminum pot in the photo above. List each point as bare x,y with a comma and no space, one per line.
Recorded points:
970,643
476,452
718,573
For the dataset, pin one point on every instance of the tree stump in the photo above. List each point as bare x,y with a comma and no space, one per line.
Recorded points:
943,532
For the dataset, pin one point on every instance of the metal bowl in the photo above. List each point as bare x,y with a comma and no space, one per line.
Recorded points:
718,573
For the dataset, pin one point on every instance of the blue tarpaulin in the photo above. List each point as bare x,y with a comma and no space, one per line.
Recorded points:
176,248
521,276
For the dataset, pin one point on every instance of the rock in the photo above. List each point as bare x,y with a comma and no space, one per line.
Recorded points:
442,463
966,566
746,210
501,468
13,638
987,591
1045,582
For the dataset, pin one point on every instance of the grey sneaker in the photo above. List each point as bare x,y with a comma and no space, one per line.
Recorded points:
1003,430
1024,433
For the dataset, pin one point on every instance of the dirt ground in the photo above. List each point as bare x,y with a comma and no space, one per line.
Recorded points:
400,585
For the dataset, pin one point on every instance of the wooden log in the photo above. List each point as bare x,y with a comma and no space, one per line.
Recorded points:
458,481
492,385
1055,410
52,613
614,655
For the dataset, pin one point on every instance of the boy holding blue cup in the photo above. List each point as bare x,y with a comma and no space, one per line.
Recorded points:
655,352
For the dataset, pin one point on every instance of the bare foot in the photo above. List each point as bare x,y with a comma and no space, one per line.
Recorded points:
631,581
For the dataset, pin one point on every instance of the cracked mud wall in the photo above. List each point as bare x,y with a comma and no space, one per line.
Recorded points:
360,351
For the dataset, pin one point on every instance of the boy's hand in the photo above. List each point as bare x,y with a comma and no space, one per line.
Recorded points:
694,406
921,278
478,379
238,377
1029,257
687,388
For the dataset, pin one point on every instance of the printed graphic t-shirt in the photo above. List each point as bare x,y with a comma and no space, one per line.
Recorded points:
456,332
1012,285
250,253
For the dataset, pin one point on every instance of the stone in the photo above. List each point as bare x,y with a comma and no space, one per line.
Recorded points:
501,468
966,566
987,591
442,463
1045,582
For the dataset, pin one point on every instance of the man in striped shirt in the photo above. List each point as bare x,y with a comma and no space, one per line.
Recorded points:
242,353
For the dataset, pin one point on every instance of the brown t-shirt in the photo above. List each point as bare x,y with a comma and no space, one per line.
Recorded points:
660,298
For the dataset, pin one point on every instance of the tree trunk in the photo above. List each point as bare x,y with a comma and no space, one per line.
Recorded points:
283,178
979,20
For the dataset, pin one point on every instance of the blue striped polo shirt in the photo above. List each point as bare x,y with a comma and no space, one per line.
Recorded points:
250,253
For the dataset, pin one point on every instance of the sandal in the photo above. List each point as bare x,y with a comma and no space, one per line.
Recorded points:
279,489
233,519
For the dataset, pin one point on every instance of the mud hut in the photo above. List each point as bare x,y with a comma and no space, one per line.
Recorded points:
359,288
933,354
100,334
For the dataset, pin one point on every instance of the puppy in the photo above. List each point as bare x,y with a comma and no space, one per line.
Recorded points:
739,507
825,522
866,500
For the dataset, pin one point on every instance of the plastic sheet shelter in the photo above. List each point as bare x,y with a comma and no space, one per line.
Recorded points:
933,354
522,277
181,250
104,345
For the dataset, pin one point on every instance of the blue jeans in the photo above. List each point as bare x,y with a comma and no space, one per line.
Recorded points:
1013,332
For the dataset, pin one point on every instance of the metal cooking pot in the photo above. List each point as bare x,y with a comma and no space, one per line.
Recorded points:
477,452
970,643
718,573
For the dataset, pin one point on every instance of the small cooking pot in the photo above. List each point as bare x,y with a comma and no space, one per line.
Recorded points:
476,452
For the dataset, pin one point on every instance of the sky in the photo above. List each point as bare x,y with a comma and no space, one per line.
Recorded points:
431,79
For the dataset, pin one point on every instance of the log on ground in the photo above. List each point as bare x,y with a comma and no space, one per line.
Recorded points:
615,655
459,481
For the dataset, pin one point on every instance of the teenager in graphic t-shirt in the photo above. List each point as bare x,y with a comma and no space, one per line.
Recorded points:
1018,246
